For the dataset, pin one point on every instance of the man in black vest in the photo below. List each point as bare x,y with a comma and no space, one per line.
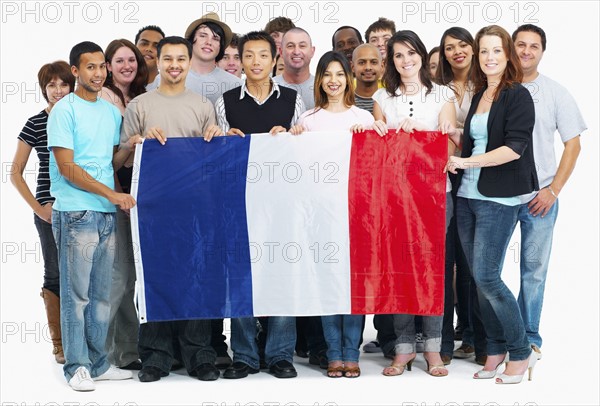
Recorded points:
260,106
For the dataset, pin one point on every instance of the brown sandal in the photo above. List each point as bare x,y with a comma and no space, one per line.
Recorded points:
349,371
332,371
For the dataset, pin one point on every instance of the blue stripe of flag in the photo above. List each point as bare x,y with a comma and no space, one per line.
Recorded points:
206,272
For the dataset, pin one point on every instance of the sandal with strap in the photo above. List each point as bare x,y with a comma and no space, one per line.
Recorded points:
436,370
332,371
398,369
352,372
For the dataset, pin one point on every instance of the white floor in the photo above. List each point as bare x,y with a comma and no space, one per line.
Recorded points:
30,376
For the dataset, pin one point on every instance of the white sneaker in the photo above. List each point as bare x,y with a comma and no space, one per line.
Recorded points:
114,374
81,381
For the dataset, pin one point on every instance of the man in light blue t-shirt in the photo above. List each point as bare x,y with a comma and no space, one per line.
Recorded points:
83,131
555,109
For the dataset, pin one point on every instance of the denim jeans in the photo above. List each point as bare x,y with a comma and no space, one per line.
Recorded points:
163,342
50,255
404,325
123,330
342,334
536,245
447,347
386,335
86,243
280,341
485,229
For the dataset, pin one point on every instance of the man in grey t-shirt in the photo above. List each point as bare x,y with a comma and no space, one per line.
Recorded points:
297,51
209,38
555,109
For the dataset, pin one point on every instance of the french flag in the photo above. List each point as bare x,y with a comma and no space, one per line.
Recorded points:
317,224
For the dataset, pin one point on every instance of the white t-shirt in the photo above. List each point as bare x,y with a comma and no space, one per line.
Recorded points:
555,109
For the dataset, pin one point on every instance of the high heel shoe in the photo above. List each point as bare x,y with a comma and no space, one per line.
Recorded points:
398,369
483,374
508,379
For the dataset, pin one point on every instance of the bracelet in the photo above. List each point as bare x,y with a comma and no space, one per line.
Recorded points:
552,192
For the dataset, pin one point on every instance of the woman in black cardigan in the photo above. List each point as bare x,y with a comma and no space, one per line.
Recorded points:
497,165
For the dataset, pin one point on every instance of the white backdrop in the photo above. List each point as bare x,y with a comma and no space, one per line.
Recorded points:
34,33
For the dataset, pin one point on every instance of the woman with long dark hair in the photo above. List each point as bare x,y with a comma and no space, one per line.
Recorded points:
409,102
335,110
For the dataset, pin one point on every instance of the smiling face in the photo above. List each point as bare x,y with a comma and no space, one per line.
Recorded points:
407,62
147,44
297,50
458,53
206,44
123,66
90,74
56,89
380,39
334,80
231,61
345,41
492,58
366,64
174,64
529,50
257,60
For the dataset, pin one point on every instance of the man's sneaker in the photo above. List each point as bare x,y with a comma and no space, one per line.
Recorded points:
114,374
537,351
420,342
464,351
81,381
372,347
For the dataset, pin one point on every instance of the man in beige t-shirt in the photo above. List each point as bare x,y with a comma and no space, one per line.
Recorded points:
172,111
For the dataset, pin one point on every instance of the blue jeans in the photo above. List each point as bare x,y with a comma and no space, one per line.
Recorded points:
536,245
280,343
404,325
51,276
122,339
342,333
485,229
86,252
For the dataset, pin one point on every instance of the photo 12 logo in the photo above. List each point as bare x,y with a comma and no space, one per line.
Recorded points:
69,11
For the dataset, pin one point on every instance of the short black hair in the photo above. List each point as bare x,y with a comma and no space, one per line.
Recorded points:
258,36
148,28
531,28
216,29
174,40
83,48
343,27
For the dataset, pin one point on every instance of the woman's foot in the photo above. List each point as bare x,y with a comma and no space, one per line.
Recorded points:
335,369
435,365
492,363
400,363
351,369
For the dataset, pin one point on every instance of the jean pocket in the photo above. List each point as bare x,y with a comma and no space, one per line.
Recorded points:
77,217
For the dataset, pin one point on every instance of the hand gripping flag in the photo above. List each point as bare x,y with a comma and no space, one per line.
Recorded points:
317,224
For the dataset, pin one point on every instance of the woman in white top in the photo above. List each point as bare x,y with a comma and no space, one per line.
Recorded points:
410,101
335,110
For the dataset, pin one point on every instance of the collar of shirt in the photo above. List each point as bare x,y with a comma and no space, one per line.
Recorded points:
274,89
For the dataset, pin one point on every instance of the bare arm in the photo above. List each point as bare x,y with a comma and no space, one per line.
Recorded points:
82,179
545,198
16,177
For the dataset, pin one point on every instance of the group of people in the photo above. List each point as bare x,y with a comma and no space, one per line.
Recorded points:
209,83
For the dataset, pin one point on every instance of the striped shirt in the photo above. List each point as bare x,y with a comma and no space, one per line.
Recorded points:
34,135
364,103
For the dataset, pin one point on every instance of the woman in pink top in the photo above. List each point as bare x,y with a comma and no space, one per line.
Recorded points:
335,110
